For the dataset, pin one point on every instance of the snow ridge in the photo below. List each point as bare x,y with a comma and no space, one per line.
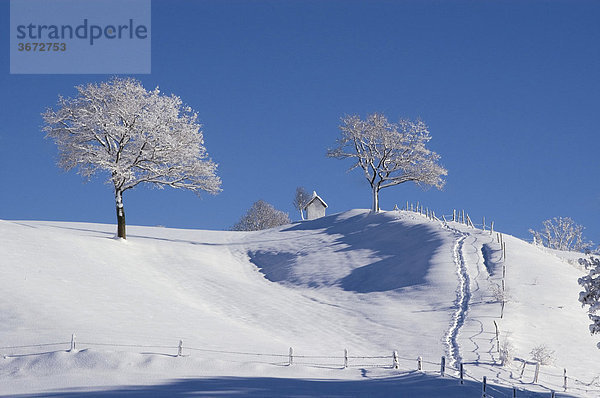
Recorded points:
463,296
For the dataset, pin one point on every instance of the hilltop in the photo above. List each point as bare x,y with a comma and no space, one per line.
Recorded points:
368,283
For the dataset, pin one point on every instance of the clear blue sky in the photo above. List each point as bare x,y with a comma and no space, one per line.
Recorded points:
510,90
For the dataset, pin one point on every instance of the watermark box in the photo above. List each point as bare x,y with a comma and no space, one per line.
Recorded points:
80,36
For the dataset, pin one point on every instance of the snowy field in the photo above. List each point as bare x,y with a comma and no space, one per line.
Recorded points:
369,283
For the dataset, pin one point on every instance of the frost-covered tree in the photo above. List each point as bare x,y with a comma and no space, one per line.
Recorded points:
261,215
132,135
561,233
389,153
301,199
591,292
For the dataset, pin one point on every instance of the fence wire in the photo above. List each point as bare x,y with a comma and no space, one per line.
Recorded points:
34,345
396,362
126,345
234,352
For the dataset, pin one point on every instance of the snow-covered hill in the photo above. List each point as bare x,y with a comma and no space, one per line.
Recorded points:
368,283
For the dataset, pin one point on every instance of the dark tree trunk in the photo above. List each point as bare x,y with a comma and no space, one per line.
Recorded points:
120,215
375,207
121,222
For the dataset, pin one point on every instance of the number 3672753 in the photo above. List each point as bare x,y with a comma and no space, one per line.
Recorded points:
42,47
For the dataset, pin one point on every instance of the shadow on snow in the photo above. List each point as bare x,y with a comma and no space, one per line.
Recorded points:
411,384
401,251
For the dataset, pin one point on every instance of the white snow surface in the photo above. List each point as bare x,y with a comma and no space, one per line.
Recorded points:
369,283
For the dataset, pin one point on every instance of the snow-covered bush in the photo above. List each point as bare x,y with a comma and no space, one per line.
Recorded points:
591,291
261,215
506,352
498,294
542,355
589,263
561,233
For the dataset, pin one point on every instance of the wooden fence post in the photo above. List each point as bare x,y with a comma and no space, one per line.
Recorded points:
514,392
396,363
492,229
291,358
497,337
461,373
443,366
537,372
419,363
484,386
345,358
180,348
72,342
565,379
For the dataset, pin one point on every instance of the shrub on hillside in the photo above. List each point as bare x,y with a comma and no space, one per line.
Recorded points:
561,233
542,355
261,215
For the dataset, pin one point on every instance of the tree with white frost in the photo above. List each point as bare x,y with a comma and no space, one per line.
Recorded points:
301,199
132,135
261,215
561,233
389,153
591,292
